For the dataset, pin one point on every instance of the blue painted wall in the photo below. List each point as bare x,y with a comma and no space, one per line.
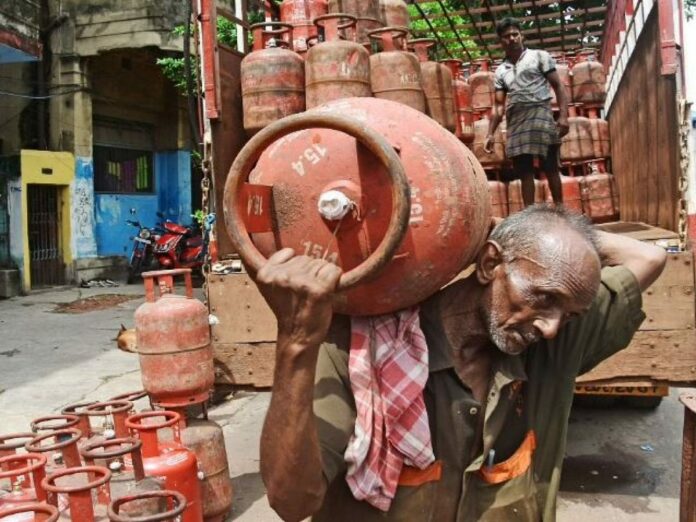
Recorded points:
172,196
84,243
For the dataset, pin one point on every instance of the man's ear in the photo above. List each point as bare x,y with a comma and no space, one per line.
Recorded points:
488,259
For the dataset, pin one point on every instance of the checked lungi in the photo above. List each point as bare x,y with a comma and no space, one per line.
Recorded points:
531,129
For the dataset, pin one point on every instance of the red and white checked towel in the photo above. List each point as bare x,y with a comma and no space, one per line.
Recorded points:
388,369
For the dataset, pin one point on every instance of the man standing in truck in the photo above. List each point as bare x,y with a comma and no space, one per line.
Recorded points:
550,298
522,94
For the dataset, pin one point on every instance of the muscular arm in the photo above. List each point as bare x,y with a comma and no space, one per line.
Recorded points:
644,260
498,112
561,93
298,290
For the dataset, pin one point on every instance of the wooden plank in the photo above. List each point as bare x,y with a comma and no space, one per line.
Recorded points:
244,316
643,122
669,303
665,356
637,230
244,364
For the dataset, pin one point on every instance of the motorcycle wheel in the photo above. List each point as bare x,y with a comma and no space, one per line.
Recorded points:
134,270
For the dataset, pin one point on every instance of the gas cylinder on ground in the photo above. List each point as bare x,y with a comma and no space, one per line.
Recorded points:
496,158
367,17
576,146
336,68
499,198
395,74
87,489
599,128
113,415
173,336
78,409
563,70
206,440
11,443
127,474
63,452
589,79
515,200
600,196
21,476
437,85
34,512
51,423
394,13
366,208
121,509
301,14
272,78
169,460
482,82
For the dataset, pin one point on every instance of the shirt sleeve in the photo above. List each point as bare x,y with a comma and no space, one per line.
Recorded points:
546,63
499,81
334,406
609,325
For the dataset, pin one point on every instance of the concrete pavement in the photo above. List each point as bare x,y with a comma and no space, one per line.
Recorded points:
622,464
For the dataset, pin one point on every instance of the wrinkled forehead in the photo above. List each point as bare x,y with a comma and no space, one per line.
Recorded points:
564,262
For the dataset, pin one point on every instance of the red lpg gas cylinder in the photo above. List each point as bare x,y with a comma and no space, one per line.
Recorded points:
482,83
395,74
301,14
272,78
23,475
516,203
496,159
79,483
589,79
34,512
173,336
394,13
466,111
459,91
367,17
206,440
407,221
10,443
437,85
169,460
600,195
601,145
54,423
499,199
336,68
576,146
64,441
120,509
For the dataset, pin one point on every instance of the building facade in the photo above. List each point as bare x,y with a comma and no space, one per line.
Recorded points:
97,104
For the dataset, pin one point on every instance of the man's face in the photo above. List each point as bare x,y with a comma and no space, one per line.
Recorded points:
512,40
532,297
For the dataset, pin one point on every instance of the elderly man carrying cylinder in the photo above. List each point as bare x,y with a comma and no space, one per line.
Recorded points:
549,299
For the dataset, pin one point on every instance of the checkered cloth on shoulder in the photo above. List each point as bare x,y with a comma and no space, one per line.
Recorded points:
388,369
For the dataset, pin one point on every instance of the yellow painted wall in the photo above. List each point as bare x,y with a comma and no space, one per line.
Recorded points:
47,168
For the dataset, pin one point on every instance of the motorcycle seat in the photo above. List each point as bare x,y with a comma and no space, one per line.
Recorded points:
194,242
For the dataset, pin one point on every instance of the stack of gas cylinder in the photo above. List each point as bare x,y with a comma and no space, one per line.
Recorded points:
323,50
99,461
585,151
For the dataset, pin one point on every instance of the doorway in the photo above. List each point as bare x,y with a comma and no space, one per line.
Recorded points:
45,246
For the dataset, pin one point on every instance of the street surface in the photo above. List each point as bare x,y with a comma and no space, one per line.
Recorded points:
622,464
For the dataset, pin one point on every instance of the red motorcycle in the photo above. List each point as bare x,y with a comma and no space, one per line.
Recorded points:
181,246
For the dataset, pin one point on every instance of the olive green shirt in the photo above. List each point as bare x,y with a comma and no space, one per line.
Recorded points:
531,391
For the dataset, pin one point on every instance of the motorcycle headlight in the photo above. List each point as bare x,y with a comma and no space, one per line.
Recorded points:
145,233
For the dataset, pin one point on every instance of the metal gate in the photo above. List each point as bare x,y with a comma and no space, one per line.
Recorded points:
4,226
45,249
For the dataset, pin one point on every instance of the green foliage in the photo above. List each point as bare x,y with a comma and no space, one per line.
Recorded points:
173,67
421,29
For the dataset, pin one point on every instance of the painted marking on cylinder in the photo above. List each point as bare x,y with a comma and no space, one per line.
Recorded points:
176,459
313,154
317,251
416,207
